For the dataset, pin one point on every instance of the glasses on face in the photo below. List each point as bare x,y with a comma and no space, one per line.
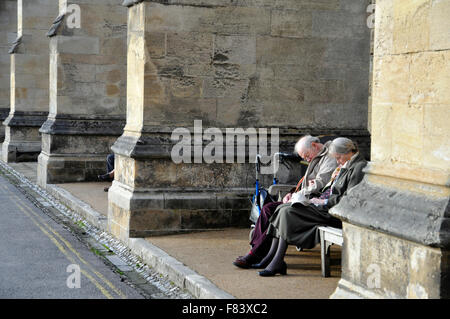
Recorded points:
305,154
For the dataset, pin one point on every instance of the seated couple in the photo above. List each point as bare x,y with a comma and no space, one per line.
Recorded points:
334,168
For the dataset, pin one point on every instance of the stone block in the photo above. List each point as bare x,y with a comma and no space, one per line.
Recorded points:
435,121
190,201
436,150
407,138
341,116
142,222
301,71
78,45
429,78
384,24
274,50
30,64
344,50
390,83
381,147
341,24
195,47
237,50
439,25
325,91
412,26
115,46
156,44
296,24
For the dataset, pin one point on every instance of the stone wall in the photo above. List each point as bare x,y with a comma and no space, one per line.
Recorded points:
290,64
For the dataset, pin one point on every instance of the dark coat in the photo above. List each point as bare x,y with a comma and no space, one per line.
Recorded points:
348,177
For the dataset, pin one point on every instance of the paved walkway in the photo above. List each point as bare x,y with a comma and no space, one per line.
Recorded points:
210,254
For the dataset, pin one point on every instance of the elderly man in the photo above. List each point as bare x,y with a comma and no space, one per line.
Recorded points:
320,168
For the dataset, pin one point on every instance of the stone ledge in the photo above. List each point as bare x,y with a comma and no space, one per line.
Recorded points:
31,119
83,126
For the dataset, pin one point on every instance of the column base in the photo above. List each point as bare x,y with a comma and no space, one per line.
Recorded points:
22,141
67,169
379,266
14,152
151,212
74,149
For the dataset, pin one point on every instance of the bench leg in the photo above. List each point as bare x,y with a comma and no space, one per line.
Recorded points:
325,255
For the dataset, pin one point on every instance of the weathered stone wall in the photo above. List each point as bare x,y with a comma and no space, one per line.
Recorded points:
289,64
8,33
29,84
300,66
404,198
87,91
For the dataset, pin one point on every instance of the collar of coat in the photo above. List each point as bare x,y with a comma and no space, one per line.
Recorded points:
355,158
323,151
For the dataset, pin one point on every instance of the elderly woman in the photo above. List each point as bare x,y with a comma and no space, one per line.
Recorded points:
297,224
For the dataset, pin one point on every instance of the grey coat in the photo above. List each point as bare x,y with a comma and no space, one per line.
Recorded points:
320,169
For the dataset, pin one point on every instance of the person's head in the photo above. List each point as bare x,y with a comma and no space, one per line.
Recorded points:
308,147
343,149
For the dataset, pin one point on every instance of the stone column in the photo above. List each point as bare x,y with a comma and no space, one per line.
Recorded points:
87,90
29,81
396,223
8,34
297,66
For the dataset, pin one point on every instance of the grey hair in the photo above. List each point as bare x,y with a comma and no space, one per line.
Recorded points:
305,142
343,145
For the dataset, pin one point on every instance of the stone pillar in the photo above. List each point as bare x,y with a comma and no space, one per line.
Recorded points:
29,81
396,223
87,90
8,34
298,66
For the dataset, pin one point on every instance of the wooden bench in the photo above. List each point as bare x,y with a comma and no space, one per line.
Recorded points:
328,237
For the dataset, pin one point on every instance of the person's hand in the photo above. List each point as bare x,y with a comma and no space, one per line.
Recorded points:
317,201
287,198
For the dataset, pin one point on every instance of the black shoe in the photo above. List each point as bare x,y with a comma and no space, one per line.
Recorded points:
104,178
259,266
270,273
